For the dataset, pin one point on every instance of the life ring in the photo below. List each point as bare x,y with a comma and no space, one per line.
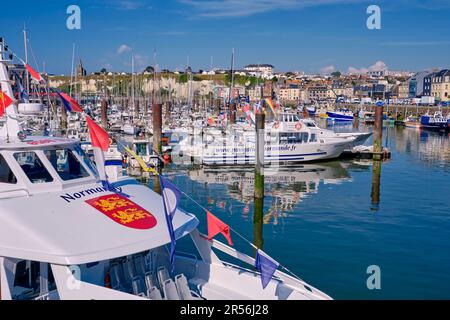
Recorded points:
277,125
298,126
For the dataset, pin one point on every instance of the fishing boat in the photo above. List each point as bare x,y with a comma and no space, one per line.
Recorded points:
342,115
435,122
412,122
65,235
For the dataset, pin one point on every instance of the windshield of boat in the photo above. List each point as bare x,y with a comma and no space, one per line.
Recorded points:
6,175
66,164
310,124
33,167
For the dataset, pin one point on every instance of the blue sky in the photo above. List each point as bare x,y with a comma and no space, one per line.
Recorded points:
307,35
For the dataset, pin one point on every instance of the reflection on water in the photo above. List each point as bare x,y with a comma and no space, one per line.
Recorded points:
429,148
284,188
318,218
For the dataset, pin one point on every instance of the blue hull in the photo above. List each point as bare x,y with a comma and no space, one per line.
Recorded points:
339,117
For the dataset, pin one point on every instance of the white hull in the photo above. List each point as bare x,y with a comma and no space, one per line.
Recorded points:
286,153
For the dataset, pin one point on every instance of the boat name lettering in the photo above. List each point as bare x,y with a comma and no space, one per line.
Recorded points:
77,195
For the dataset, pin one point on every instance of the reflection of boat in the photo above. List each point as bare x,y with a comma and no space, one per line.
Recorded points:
287,184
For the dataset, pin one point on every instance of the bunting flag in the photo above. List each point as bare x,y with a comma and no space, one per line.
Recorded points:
269,102
5,102
70,104
266,266
171,197
215,226
34,75
99,137
22,92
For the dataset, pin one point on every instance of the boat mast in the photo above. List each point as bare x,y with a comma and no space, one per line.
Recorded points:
25,42
132,81
71,70
232,77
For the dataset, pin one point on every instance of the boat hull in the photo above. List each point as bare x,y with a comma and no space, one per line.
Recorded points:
276,154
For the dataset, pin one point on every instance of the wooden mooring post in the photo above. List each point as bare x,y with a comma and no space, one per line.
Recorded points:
259,180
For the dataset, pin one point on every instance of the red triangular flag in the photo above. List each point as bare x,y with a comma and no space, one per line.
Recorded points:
36,76
99,137
5,102
73,103
215,226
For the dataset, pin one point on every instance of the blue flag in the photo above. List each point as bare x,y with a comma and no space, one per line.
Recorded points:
23,94
65,102
266,266
171,198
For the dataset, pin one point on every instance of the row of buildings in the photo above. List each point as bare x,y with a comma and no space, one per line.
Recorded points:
297,87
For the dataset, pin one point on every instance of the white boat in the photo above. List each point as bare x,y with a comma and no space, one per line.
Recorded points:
63,235
289,139
129,129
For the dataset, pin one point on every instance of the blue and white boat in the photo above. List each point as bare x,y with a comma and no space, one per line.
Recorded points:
342,115
435,122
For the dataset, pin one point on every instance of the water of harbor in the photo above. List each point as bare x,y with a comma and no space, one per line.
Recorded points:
322,220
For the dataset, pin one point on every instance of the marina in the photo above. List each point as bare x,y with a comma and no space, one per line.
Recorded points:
147,180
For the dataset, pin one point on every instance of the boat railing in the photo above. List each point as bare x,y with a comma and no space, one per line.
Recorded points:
292,281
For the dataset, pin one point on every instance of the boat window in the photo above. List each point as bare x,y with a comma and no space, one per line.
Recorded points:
27,280
6,175
141,149
86,159
304,137
310,124
33,167
313,137
66,164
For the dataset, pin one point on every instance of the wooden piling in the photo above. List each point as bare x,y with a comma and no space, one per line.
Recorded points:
157,128
233,113
104,112
258,207
259,155
376,178
378,133
63,118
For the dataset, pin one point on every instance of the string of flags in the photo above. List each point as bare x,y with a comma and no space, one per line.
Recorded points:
170,193
264,264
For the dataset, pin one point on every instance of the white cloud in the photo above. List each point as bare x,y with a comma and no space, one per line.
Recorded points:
327,70
377,66
128,5
123,48
243,8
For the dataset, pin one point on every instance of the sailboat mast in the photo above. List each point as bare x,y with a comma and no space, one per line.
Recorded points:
25,42
132,81
232,76
71,70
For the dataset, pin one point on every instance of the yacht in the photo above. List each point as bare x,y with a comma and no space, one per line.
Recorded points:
64,235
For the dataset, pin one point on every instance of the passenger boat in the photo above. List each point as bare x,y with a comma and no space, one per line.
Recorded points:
64,235
287,140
